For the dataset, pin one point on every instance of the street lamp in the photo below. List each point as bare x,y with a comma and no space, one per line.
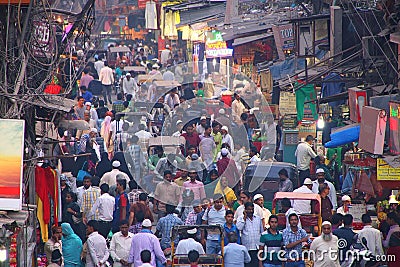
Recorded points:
320,123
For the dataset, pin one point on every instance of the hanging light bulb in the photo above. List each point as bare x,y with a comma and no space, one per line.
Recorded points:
3,254
320,123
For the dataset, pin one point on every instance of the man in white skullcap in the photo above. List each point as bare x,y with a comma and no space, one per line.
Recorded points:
346,200
321,180
325,248
303,206
186,245
110,178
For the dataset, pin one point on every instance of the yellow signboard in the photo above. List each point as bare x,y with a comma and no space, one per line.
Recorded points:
385,172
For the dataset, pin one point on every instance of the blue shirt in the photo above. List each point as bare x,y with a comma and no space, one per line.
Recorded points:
228,230
289,237
235,255
87,96
164,226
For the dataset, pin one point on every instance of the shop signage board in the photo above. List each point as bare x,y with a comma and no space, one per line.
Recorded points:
284,39
216,46
385,172
44,45
287,103
11,163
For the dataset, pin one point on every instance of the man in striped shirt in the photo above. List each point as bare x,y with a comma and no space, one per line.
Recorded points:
271,242
89,197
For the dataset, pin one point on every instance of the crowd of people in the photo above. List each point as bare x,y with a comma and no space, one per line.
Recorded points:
120,205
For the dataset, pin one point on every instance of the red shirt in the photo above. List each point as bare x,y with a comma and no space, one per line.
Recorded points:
193,140
227,167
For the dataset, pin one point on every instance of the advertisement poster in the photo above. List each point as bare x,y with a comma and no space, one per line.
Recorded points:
11,163
394,140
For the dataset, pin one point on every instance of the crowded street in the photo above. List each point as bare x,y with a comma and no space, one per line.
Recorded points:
199,133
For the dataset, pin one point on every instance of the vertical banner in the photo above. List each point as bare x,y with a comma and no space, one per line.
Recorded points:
11,163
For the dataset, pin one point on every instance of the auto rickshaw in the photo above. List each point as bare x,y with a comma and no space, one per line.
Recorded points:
308,221
136,69
205,259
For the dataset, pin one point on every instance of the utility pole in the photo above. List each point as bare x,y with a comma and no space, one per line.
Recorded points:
232,11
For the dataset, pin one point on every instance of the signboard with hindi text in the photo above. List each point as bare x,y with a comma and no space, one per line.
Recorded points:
287,103
386,172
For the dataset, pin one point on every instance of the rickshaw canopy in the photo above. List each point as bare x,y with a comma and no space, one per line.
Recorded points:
135,69
119,49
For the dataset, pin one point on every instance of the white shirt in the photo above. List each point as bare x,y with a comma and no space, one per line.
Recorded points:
104,205
240,212
171,101
251,231
168,76
142,134
324,258
120,247
302,206
130,87
110,178
165,55
97,251
374,239
332,192
341,211
93,115
186,245
146,264
227,139
106,76
254,159
98,65
304,154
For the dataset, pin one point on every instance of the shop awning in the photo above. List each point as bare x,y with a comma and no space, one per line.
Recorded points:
55,102
204,13
249,39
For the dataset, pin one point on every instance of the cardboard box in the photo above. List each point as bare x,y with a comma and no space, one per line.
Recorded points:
372,130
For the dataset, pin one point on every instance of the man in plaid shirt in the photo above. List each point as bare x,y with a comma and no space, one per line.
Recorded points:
192,216
293,238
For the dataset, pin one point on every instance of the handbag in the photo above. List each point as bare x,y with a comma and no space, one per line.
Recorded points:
82,173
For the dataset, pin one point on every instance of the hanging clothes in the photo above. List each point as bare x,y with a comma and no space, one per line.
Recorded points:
333,85
48,194
151,15
305,93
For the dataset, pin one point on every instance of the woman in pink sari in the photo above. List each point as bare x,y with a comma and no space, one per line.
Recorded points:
105,133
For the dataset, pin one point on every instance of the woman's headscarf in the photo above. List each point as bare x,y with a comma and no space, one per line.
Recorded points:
227,192
104,165
105,126
72,246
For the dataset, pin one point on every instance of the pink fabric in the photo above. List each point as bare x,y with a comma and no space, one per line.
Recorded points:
197,187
